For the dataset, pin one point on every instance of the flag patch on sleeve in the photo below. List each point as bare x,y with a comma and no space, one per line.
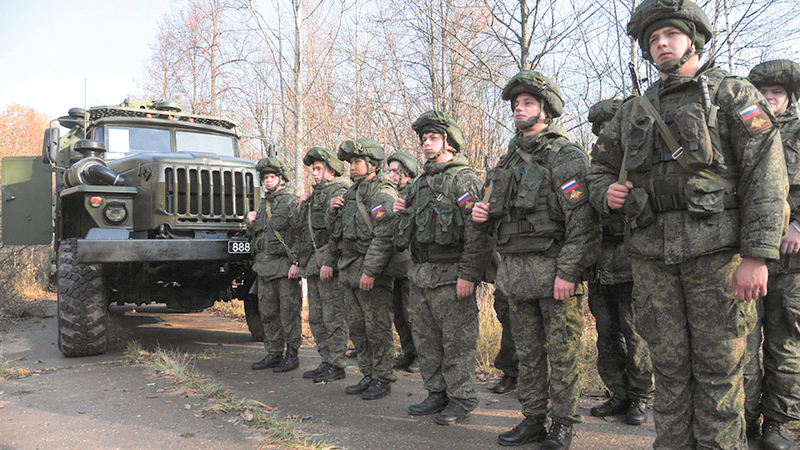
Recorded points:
755,119
378,212
466,201
573,190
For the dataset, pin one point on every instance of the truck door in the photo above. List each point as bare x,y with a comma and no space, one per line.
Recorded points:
27,211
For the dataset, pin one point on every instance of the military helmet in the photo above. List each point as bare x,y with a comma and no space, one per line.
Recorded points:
780,72
326,156
602,111
684,15
408,161
366,148
434,121
275,166
534,83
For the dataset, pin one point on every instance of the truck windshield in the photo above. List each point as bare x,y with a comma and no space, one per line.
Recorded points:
190,141
122,141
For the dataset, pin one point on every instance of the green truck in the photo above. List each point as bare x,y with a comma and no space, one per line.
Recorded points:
149,206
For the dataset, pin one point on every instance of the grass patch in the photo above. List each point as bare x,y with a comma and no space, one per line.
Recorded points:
179,366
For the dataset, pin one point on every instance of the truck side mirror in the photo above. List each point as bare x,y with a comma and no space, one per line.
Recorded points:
52,136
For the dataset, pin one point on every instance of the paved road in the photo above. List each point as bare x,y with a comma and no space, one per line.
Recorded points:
98,402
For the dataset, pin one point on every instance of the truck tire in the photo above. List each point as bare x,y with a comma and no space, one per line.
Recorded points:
253,317
82,306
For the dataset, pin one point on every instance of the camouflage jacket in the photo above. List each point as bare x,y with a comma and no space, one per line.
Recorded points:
352,242
541,208
789,124
317,206
676,214
273,234
437,225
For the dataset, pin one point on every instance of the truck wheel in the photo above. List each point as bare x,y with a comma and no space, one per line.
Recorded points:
82,308
253,317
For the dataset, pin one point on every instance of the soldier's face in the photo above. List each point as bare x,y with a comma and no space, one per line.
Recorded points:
433,144
271,181
318,170
397,178
358,167
667,44
525,107
603,125
777,98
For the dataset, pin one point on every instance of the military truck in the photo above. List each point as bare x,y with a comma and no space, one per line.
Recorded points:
149,206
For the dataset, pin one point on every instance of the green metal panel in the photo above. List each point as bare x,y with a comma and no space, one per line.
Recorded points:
27,200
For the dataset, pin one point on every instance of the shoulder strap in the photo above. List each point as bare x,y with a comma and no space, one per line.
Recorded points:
277,233
363,209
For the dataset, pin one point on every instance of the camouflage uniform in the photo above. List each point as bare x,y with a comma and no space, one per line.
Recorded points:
361,251
279,298
400,303
779,310
326,305
684,238
445,245
506,359
544,228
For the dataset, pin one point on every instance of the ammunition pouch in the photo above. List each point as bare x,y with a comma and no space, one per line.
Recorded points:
640,134
614,231
694,135
501,180
637,210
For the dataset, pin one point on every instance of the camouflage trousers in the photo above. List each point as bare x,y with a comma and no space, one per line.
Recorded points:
696,332
778,393
506,359
279,303
623,360
370,317
549,338
402,315
446,329
327,318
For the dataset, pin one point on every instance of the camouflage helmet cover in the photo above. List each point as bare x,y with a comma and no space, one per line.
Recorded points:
538,85
683,14
275,166
366,148
440,122
779,72
408,161
326,156
602,111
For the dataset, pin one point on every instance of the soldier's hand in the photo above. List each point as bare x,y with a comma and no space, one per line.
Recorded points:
563,289
305,197
464,288
366,283
325,273
790,244
251,217
617,194
750,279
399,205
480,212
294,272
336,203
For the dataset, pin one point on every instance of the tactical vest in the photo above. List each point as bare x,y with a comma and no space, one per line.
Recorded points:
789,124
705,144
317,206
279,218
355,233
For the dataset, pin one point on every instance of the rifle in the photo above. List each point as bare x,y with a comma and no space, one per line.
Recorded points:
488,194
637,90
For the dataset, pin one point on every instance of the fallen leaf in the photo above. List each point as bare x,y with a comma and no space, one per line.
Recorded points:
270,392
248,416
169,401
187,406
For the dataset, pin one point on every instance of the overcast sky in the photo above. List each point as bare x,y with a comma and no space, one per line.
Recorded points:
49,47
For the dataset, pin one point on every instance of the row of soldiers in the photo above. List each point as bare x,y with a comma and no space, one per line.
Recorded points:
684,211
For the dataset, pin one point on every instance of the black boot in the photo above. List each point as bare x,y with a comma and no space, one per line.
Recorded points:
330,374
752,427
401,362
376,390
290,362
775,436
612,407
637,412
313,373
435,402
559,437
451,414
360,387
506,384
267,363
529,430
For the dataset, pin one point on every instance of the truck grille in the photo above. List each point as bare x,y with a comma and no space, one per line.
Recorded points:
208,194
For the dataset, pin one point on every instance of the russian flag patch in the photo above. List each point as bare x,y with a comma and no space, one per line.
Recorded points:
573,190
466,201
755,119
378,212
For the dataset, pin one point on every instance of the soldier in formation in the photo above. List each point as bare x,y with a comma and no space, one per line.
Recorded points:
623,361
696,167
548,235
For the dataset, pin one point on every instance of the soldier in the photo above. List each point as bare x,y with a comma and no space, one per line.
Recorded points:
623,361
275,261
362,241
448,253
403,168
779,310
506,359
704,203
326,305
548,236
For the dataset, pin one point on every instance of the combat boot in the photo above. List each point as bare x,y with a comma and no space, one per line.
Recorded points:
267,363
376,390
637,412
435,402
752,427
413,367
401,362
330,374
360,387
529,430
290,362
506,384
559,437
611,407
313,373
775,436
451,414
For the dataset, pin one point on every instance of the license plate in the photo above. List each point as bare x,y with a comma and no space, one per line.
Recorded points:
238,247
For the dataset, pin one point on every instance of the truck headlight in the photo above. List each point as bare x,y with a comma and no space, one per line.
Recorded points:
115,213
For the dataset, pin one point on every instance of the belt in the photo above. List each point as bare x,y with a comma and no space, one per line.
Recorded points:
437,253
